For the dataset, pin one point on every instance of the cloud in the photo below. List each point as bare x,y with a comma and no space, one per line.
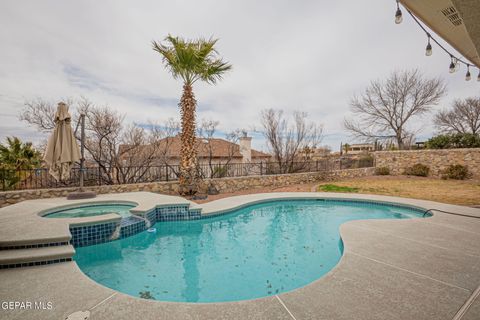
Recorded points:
309,55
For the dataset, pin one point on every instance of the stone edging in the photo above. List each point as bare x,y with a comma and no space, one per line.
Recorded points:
171,187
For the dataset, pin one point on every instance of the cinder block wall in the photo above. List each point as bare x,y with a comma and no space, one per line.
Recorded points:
437,160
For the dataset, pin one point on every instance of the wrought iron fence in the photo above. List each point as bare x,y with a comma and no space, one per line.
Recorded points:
96,176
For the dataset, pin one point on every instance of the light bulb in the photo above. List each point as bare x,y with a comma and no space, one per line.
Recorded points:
478,77
398,16
428,50
452,67
468,76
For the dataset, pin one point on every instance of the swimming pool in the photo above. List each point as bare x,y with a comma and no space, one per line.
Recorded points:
92,210
259,250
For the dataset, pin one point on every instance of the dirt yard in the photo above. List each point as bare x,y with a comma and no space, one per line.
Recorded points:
292,188
447,191
465,192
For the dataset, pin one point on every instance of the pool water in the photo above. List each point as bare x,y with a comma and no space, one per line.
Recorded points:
92,210
257,251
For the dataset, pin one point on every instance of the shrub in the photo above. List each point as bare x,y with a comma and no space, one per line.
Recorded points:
467,140
450,141
382,171
456,171
439,142
365,161
418,169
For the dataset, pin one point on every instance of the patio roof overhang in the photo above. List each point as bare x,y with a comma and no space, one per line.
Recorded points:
456,21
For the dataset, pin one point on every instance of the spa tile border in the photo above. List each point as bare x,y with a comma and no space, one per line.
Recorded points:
92,234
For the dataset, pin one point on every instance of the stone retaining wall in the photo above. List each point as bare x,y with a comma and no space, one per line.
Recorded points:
438,160
222,185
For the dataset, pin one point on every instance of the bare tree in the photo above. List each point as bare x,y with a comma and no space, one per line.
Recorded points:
147,150
123,154
139,153
206,131
386,107
464,117
286,140
166,133
103,132
40,113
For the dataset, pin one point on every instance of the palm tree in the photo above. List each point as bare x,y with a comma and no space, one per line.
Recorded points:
190,61
16,154
16,158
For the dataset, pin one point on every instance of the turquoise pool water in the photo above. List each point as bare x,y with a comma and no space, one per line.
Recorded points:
92,210
257,251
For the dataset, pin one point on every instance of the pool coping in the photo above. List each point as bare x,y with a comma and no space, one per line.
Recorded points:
16,231
294,303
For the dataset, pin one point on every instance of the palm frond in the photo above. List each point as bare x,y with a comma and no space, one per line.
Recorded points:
192,60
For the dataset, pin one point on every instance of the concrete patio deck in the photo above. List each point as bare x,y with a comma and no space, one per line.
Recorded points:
391,269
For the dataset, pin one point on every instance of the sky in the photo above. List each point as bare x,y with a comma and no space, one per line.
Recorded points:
309,55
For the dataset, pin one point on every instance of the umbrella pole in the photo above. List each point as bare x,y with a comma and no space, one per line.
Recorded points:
82,150
81,194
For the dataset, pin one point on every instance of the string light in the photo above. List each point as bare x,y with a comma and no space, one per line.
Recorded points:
428,50
454,61
468,76
398,14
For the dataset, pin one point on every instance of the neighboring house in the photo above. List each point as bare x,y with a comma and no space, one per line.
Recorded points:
209,151
315,153
358,148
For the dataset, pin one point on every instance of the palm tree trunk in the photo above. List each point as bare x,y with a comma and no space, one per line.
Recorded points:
188,151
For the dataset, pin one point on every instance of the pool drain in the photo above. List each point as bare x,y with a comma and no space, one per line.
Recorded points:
78,315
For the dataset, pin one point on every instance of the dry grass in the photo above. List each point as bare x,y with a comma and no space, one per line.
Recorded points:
447,191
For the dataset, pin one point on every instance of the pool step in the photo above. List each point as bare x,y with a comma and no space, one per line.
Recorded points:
35,256
18,245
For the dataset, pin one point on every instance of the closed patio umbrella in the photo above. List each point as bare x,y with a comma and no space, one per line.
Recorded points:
62,148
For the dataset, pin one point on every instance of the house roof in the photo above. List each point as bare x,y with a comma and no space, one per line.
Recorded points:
361,145
219,148
456,21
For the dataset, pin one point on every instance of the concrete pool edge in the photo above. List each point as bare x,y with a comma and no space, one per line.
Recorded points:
357,238
45,213
145,202
232,203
